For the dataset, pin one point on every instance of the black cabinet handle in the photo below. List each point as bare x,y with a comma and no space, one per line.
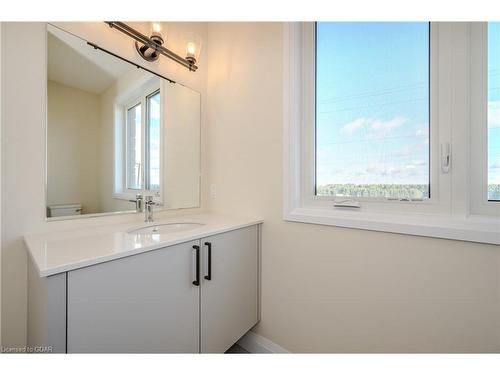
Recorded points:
209,261
197,281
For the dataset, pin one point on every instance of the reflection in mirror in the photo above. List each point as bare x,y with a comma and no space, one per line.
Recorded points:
115,131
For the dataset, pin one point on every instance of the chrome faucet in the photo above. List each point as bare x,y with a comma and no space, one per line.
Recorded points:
138,202
148,208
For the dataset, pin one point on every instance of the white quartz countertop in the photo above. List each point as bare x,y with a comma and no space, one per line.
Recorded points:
58,252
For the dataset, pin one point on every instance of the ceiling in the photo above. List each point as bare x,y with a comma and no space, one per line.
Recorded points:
72,62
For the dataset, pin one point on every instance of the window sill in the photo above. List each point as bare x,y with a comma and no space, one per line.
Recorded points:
132,196
480,229
123,196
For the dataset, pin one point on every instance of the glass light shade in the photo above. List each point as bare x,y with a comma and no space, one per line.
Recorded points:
191,50
156,31
192,43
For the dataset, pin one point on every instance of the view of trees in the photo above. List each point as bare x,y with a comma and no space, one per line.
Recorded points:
394,191
494,192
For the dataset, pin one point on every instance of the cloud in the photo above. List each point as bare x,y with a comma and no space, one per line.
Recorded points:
375,125
494,114
409,169
352,126
419,163
422,130
409,149
377,172
495,165
384,126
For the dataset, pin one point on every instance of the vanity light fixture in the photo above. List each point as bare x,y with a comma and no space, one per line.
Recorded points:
150,48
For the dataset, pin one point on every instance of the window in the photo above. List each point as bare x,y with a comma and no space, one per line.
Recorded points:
398,123
493,135
152,178
372,110
134,147
141,141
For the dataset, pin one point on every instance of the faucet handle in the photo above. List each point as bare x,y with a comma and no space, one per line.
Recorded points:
149,201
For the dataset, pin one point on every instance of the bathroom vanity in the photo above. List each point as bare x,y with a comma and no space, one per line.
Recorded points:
189,285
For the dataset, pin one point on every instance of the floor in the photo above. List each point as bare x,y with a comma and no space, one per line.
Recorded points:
236,349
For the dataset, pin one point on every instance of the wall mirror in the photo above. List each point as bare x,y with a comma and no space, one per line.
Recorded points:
115,131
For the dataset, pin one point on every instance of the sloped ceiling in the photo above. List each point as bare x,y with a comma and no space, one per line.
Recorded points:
72,62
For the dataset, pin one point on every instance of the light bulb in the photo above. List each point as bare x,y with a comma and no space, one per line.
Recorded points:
191,50
156,27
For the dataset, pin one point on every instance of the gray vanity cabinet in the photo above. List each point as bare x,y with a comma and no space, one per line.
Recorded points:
229,293
144,303
149,302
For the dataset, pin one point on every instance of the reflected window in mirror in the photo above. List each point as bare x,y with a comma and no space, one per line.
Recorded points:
153,123
143,152
134,147
138,144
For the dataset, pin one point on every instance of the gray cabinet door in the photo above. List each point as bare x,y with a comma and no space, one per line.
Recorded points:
145,303
229,301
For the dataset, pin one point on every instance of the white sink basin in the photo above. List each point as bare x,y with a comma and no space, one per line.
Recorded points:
165,228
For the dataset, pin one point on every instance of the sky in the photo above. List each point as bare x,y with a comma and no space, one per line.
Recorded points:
372,114
494,102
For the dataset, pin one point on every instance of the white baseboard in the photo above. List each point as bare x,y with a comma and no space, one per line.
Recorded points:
254,343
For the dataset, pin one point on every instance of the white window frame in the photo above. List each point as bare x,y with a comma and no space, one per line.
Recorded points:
447,213
136,102
479,121
139,96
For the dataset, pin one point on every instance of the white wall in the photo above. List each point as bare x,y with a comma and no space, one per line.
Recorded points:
23,147
73,147
180,147
329,289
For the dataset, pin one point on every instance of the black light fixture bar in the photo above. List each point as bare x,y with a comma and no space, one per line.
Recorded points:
143,39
